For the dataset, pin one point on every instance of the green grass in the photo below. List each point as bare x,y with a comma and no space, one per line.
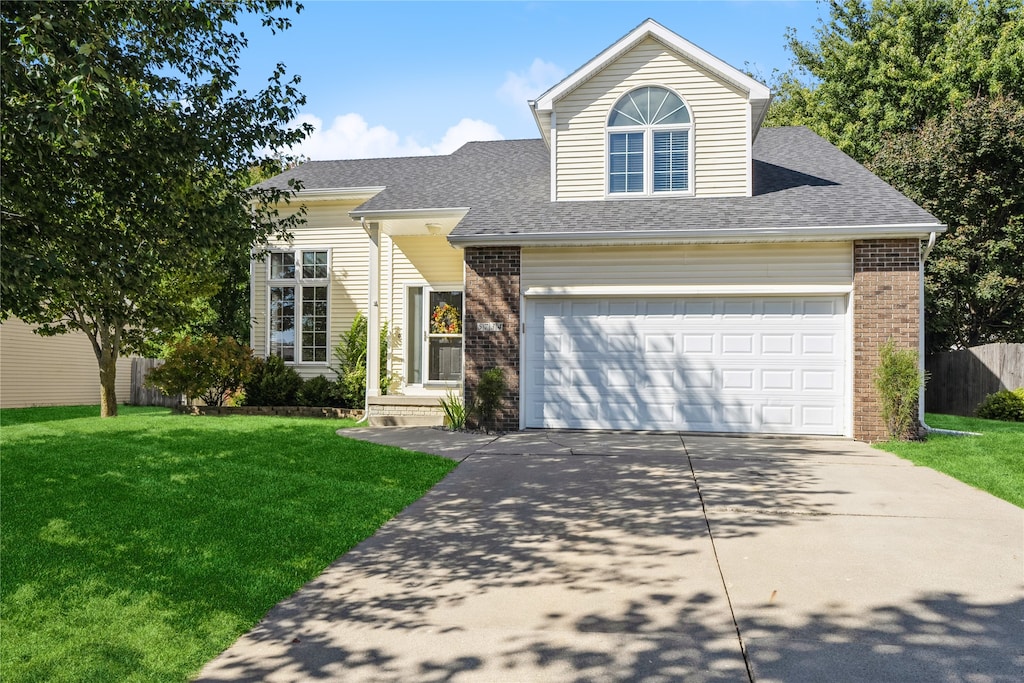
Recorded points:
138,548
992,462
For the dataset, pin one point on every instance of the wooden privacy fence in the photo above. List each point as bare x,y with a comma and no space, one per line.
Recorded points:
960,380
141,394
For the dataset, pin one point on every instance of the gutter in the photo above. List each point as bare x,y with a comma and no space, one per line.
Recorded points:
699,235
920,348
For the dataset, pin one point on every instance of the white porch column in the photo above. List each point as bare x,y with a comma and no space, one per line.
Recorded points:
373,314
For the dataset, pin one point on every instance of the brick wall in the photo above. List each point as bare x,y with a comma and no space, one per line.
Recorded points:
885,305
492,296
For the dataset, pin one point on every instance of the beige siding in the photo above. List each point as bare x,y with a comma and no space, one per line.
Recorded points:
329,226
52,371
728,266
719,112
408,261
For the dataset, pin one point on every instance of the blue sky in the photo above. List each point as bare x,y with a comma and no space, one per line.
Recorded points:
407,78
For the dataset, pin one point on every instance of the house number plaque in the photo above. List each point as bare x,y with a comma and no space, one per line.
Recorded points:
490,327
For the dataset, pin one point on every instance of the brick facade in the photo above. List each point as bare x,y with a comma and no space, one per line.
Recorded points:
492,296
886,299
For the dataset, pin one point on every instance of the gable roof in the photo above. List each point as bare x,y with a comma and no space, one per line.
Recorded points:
804,188
758,94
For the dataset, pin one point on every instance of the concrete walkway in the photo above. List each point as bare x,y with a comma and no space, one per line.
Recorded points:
560,556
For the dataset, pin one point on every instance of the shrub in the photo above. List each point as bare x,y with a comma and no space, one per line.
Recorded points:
204,367
898,380
317,392
272,384
1004,405
490,392
350,354
455,413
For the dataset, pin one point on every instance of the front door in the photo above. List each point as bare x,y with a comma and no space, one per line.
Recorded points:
435,336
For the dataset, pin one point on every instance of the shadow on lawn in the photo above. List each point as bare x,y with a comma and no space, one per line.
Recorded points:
459,587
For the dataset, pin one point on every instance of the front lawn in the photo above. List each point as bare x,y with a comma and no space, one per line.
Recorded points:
138,548
993,462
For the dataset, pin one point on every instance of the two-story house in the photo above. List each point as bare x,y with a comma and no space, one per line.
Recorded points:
655,260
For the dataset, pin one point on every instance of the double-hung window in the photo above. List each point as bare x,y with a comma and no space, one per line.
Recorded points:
299,304
650,141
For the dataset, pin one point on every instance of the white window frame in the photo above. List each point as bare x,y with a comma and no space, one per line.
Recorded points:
425,335
648,131
298,283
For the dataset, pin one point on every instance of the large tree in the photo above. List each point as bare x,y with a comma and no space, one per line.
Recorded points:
966,168
889,65
928,93
126,152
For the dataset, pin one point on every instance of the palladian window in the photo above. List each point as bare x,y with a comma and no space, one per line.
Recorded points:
649,143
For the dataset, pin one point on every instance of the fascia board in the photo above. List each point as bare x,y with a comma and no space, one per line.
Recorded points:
705,236
754,89
335,193
396,214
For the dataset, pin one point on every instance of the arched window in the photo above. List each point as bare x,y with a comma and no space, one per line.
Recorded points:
649,139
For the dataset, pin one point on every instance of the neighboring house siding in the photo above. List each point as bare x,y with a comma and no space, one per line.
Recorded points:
328,225
721,129
886,299
750,266
413,260
51,371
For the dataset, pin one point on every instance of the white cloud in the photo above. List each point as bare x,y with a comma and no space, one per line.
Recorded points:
466,130
519,87
351,137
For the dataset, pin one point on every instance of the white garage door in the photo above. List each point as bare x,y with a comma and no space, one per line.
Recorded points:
728,364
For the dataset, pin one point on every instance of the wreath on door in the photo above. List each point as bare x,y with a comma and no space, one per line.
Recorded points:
445,320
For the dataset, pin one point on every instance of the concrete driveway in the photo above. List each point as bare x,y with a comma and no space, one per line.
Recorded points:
560,556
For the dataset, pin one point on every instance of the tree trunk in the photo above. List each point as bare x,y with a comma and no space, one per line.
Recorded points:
108,384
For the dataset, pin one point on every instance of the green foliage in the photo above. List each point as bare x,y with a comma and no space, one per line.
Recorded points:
272,383
928,93
132,145
490,392
887,66
317,392
965,168
138,549
203,367
350,355
1005,405
898,380
455,413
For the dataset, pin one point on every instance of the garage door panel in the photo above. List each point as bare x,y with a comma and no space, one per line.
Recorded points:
768,364
818,416
778,344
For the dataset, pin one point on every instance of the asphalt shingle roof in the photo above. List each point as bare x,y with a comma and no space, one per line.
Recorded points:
800,180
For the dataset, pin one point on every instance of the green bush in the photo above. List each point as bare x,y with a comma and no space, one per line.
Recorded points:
272,384
350,354
204,367
1004,405
490,392
898,380
317,392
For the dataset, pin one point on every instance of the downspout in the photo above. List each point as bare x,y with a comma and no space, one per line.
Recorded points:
920,346
369,304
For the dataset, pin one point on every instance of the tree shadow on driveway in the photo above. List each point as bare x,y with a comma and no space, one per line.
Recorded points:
553,567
